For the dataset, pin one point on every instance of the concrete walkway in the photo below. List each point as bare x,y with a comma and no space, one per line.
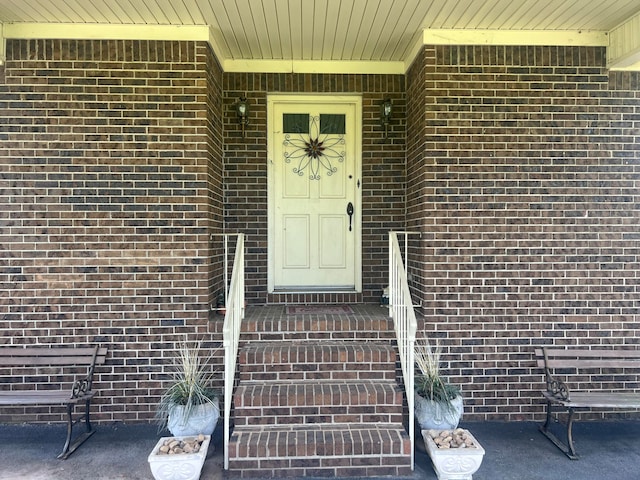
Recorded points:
609,450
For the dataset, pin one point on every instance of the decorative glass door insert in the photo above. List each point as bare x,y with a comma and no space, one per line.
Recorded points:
314,145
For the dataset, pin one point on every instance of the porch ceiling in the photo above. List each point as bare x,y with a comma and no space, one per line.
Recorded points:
323,35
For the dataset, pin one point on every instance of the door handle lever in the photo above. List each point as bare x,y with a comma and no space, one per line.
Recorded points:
350,213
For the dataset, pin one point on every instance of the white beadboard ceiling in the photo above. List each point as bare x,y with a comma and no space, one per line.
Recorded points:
257,34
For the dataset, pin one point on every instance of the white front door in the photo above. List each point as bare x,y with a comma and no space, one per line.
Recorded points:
314,193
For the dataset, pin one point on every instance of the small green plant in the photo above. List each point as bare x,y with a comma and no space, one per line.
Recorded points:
430,384
191,383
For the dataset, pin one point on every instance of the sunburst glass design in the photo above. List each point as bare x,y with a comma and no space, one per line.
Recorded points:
314,152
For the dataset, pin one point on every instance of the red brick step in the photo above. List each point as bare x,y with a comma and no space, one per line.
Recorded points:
345,360
367,323
340,450
324,402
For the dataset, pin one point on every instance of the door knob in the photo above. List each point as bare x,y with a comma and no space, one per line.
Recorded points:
350,213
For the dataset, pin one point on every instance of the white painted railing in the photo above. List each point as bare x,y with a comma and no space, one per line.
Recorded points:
404,320
234,304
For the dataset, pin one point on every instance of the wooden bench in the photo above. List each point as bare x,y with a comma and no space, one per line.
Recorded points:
577,361
20,362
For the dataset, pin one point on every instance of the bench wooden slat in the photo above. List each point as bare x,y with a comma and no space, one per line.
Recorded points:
34,356
11,351
583,352
39,361
582,358
574,363
42,397
598,400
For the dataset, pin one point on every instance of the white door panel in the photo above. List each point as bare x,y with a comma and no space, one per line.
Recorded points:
333,242
314,173
295,251
295,187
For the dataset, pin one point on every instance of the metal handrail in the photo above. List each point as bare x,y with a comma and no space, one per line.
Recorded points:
234,304
404,320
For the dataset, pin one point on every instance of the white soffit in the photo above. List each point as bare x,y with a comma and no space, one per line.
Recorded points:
624,45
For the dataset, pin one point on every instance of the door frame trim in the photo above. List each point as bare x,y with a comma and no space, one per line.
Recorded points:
351,99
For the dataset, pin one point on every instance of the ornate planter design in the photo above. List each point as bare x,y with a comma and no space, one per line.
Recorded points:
179,466
454,463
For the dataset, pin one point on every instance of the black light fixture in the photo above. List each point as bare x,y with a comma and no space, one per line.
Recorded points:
385,115
242,109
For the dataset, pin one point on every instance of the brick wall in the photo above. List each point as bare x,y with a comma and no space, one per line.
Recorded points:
523,169
215,177
110,185
382,172
521,173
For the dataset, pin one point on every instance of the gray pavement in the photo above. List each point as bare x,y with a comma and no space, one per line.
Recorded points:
609,450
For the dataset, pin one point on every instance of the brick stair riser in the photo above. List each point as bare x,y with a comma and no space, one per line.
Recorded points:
312,415
316,362
368,452
316,336
322,467
294,352
317,403
315,375
355,394
323,440
317,329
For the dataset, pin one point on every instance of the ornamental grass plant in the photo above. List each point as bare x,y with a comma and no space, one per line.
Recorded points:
191,383
430,384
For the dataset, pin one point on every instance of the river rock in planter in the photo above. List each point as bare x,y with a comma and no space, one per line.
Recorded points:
178,466
438,416
203,419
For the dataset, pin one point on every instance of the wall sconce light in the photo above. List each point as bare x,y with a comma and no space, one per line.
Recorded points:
385,115
242,109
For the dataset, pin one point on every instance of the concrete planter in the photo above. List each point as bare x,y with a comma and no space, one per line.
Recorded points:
438,416
454,463
203,419
180,466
